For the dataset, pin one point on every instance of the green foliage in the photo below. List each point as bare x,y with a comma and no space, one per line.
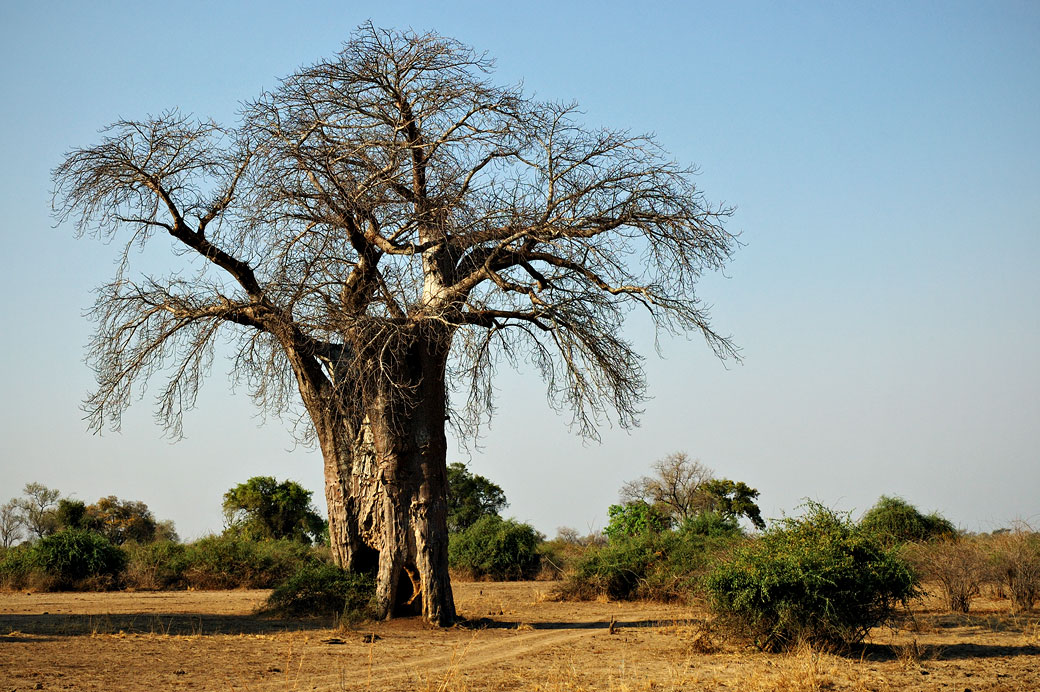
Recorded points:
712,524
264,509
496,548
470,498
323,589
229,562
71,514
156,565
894,520
72,555
72,558
122,520
663,566
732,500
819,578
15,566
635,519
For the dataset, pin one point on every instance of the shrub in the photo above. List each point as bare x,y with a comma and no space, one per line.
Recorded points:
229,562
958,565
323,589
74,555
496,548
159,565
15,566
895,520
712,524
819,579
1015,558
665,566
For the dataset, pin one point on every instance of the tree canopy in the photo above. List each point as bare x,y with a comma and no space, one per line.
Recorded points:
264,509
681,489
471,497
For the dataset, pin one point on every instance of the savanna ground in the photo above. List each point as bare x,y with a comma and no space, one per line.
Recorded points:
515,639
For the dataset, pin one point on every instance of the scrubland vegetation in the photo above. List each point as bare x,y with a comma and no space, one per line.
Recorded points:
680,535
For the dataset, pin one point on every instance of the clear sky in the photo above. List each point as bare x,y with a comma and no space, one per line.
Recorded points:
884,159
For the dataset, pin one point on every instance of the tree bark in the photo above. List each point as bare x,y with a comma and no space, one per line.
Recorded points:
386,478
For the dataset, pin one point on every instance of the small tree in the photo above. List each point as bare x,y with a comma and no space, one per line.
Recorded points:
71,514
675,486
732,500
682,488
264,509
37,509
122,520
10,524
471,497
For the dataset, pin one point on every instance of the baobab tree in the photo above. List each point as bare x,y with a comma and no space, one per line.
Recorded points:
374,235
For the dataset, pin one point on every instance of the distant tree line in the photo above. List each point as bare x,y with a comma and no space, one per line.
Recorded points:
41,512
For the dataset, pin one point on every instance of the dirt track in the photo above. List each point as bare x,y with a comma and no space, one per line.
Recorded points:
516,640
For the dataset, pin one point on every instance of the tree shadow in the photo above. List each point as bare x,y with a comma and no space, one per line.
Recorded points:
941,652
493,624
175,624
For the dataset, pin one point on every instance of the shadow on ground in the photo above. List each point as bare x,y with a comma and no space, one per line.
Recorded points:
180,624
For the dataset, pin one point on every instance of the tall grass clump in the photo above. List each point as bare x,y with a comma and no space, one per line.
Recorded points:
496,548
818,579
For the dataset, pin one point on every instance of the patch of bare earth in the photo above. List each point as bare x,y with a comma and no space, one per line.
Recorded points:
514,640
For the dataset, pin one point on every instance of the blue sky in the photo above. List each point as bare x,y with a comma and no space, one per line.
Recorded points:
884,159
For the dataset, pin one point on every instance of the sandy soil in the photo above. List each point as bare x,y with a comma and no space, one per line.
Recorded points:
516,640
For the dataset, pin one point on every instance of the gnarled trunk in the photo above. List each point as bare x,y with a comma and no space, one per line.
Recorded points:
386,478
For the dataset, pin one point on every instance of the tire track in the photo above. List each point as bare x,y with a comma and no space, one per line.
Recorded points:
434,670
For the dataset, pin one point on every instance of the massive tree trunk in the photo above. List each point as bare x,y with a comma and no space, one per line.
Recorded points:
386,478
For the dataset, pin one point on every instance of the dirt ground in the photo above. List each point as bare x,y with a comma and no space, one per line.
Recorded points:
515,640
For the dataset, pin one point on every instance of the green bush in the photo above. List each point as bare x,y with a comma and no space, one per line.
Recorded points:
230,562
323,589
635,519
894,520
15,567
72,556
712,524
496,548
663,566
819,578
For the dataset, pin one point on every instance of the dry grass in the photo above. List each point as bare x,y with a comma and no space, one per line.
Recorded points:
131,642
